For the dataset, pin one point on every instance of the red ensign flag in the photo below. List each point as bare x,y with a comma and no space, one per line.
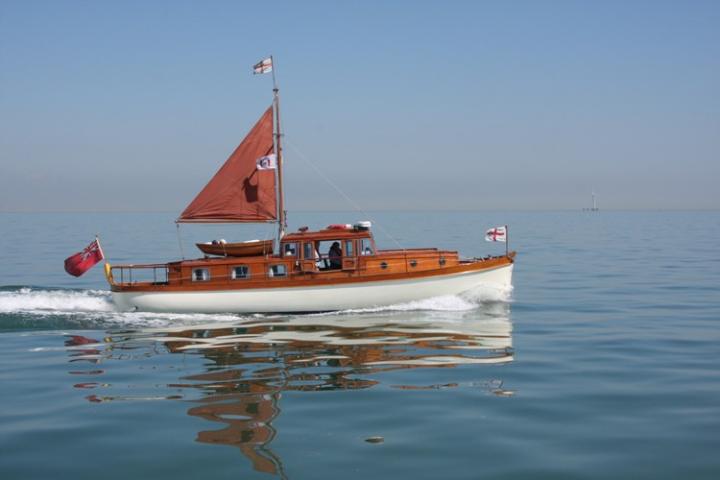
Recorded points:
83,261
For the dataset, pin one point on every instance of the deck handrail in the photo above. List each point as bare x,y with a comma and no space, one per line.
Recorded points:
164,267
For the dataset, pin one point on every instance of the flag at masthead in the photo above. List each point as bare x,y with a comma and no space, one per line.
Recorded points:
263,66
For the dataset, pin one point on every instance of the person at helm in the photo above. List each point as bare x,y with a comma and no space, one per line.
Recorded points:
335,256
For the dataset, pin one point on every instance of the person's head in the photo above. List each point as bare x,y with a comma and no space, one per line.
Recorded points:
335,245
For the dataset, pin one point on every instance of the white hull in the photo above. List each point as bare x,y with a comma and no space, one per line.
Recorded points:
316,298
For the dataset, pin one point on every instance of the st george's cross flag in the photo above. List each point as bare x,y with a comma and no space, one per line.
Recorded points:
81,262
497,234
268,162
263,66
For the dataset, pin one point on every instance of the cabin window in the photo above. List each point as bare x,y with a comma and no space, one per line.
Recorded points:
200,275
349,248
383,265
290,249
331,254
309,252
240,272
442,261
277,270
366,246
413,263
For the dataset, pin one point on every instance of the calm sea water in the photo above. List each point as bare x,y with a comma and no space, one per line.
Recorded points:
604,362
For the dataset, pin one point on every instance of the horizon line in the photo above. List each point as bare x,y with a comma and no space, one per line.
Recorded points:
409,210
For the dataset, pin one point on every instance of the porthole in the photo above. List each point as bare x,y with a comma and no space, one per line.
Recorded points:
442,261
383,265
413,263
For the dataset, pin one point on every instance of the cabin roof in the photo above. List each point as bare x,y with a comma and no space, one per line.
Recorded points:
327,234
205,261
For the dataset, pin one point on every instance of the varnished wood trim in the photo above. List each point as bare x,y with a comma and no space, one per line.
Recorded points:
335,277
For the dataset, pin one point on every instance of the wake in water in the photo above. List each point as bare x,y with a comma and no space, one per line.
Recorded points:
56,302
42,308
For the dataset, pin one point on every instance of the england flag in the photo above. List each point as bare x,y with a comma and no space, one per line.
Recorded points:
497,234
263,66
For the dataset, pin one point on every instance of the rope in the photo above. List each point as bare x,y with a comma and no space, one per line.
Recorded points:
337,189
268,230
182,253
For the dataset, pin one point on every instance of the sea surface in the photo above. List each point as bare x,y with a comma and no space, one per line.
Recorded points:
603,362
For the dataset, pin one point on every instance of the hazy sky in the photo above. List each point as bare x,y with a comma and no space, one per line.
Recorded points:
133,106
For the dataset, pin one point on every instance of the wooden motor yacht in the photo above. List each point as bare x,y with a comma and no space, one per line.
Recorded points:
335,268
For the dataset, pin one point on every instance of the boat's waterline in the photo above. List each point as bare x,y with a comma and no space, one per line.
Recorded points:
316,298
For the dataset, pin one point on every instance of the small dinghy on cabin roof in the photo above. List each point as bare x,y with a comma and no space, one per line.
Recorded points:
248,248
300,277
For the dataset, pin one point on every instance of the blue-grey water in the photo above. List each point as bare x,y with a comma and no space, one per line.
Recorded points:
604,362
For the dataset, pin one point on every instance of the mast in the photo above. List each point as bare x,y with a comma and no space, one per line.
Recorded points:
277,149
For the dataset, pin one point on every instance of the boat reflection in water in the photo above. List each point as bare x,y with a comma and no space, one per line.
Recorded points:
246,365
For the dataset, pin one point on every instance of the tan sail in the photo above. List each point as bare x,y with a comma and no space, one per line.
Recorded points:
239,191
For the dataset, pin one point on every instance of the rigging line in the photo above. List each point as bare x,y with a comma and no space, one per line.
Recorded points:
182,253
348,199
268,229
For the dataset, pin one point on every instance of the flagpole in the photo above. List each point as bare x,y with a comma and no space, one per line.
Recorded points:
507,240
278,155
97,239
272,63
108,268
277,147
